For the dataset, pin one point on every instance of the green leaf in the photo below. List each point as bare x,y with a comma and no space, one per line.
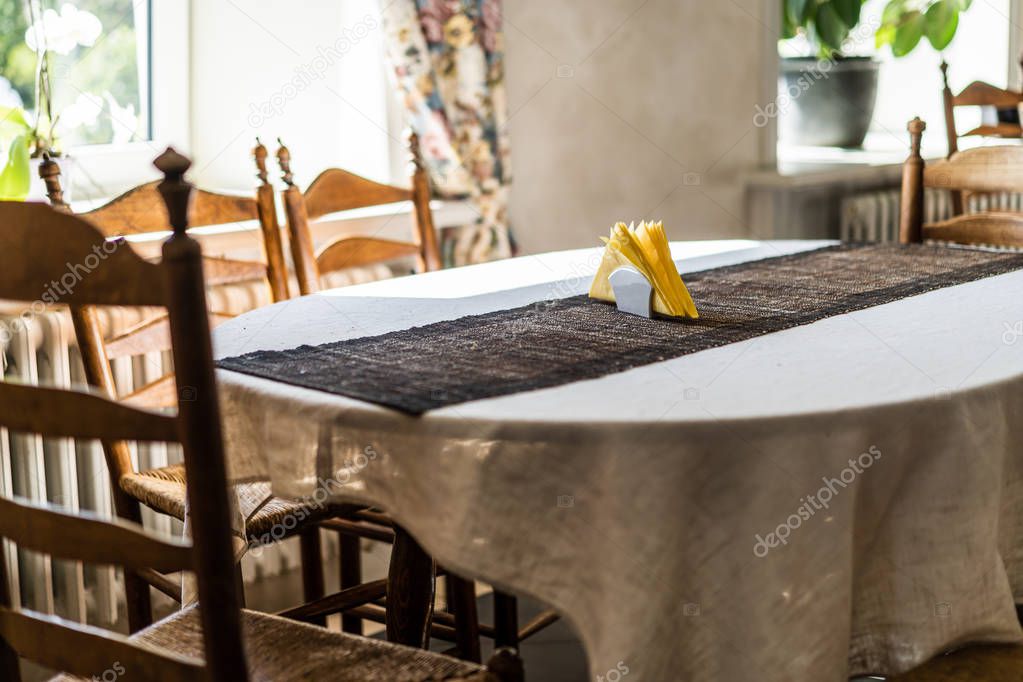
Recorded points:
12,124
795,11
963,4
942,21
848,11
893,12
830,27
13,116
15,176
885,36
908,34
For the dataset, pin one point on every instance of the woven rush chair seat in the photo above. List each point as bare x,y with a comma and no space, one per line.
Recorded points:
976,663
164,490
279,649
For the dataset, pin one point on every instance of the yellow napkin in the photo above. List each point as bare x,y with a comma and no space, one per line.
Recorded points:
646,249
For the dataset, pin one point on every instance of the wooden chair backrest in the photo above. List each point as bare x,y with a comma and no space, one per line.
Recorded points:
984,169
37,243
338,190
140,211
978,94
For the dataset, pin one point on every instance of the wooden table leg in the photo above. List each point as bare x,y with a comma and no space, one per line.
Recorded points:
462,596
410,592
506,620
351,576
313,586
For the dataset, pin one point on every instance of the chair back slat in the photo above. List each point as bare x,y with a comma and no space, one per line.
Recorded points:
1003,229
58,413
151,336
979,94
141,210
982,169
71,265
78,537
90,652
338,190
220,271
352,252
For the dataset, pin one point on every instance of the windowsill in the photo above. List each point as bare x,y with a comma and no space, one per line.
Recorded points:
881,157
881,151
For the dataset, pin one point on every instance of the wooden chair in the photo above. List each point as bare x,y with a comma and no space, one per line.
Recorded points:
216,640
984,169
991,99
977,663
164,489
338,190
978,94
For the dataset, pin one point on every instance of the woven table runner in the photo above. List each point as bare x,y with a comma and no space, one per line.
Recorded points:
562,341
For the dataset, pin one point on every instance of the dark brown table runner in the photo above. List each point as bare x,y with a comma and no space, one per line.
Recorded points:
558,342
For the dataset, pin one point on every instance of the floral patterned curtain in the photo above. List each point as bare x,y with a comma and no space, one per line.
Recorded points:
448,56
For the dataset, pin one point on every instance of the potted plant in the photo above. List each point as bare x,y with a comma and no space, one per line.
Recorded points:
826,97
27,135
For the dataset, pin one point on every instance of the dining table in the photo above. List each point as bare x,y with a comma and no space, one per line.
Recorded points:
829,489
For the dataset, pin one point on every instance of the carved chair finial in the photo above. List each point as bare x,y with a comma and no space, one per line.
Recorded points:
49,171
176,191
260,153
284,161
916,129
415,150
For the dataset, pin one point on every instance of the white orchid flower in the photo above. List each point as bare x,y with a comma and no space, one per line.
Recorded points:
125,121
85,26
84,111
62,33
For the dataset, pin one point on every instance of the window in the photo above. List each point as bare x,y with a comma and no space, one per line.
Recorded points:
96,66
984,49
120,83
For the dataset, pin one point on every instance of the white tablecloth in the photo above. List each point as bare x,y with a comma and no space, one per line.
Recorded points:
840,498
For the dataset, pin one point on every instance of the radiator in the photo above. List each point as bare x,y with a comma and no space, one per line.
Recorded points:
874,216
41,349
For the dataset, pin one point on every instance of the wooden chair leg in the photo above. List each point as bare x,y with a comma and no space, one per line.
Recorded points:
410,592
449,590
312,569
506,620
351,576
462,598
10,664
138,601
137,597
239,584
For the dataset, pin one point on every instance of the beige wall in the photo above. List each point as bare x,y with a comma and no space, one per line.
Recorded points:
650,118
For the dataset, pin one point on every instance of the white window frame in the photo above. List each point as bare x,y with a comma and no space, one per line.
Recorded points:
108,169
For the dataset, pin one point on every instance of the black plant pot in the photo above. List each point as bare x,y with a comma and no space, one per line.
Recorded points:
825,103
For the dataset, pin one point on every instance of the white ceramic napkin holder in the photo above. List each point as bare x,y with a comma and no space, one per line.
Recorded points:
633,292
